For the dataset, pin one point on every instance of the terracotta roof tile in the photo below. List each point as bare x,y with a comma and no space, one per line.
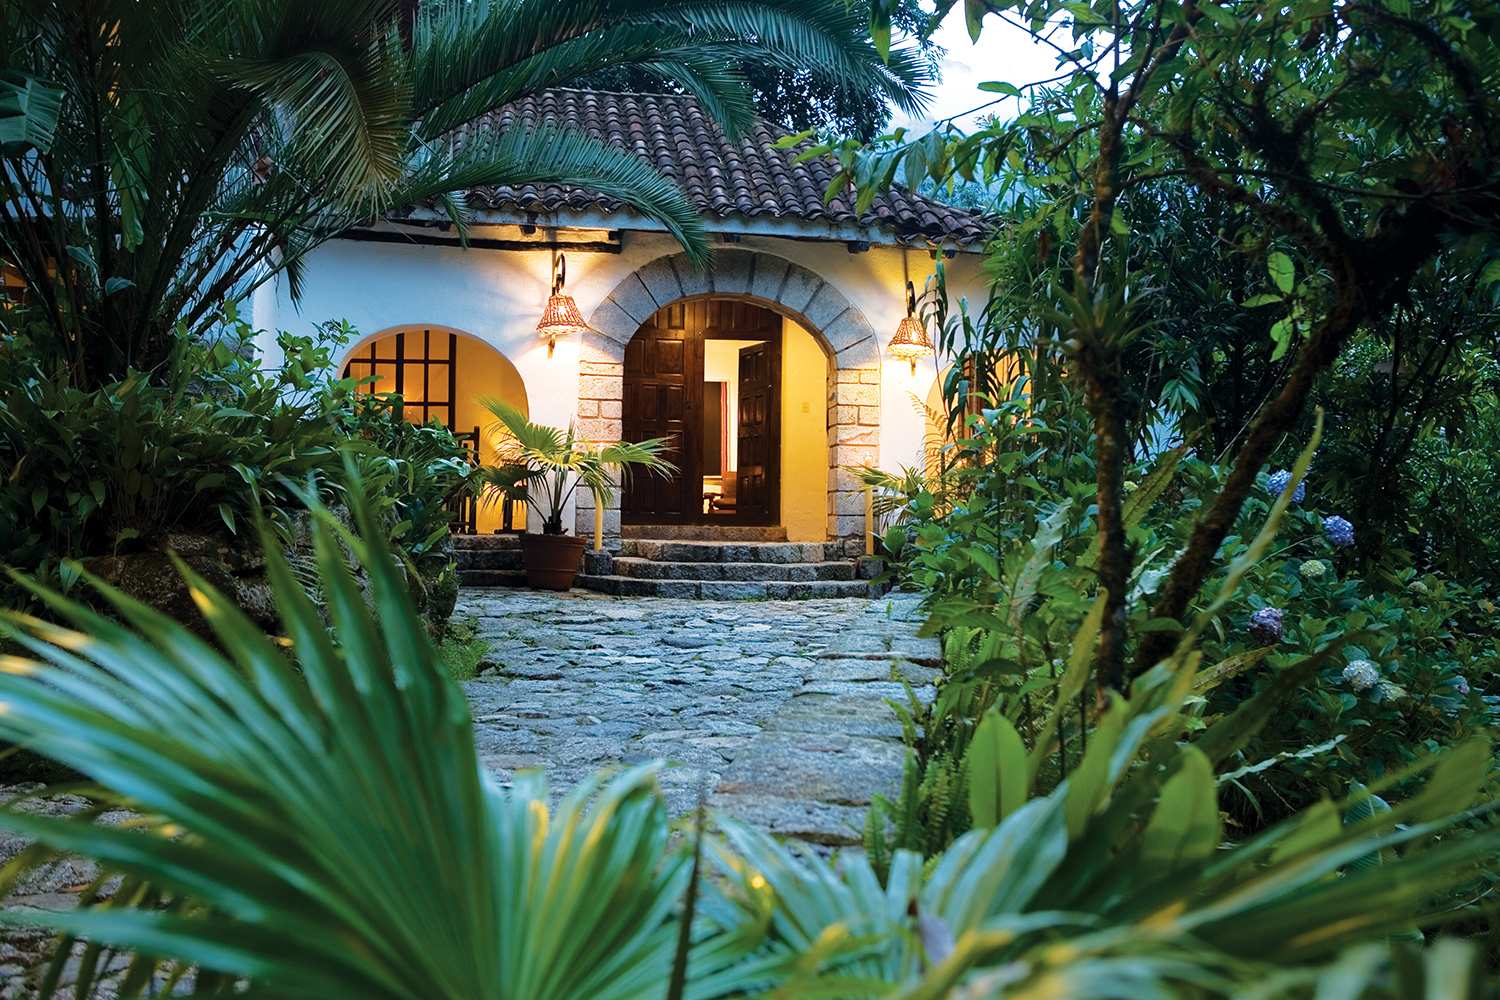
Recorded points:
746,178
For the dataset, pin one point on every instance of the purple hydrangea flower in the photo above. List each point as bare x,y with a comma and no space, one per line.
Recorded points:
1459,684
1265,626
1340,531
1361,675
1277,485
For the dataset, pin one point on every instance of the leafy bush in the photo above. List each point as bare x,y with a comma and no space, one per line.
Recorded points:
1009,580
131,467
1421,678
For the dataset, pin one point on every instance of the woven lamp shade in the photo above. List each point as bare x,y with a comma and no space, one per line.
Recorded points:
910,341
561,318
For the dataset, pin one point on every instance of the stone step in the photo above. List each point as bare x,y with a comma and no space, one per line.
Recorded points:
713,590
666,550
488,559
736,572
703,532
487,543
492,577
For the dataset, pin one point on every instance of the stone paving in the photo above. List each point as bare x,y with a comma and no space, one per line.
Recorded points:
774,708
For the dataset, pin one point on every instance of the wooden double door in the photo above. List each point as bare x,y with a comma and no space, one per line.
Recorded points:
664,397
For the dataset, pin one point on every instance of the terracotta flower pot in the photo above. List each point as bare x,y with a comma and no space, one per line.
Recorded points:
551,560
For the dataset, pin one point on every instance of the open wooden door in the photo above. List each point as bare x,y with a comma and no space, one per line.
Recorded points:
663,397
758,491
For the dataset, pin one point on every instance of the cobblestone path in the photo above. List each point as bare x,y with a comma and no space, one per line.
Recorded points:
775,707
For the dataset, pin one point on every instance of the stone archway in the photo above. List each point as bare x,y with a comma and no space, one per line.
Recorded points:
779,284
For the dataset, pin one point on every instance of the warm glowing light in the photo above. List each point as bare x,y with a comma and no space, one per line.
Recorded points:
561,318
911,341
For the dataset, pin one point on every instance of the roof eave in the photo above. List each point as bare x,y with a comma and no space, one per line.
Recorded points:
764,225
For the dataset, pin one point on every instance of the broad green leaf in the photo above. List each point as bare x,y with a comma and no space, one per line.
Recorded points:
1281,336
1266,299
1283,272
974,11
1184,829
1219,15
29,111
1090,783
998,777
1316,827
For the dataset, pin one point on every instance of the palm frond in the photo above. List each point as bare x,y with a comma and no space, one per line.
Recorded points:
322,818
531,437
465,61
332,71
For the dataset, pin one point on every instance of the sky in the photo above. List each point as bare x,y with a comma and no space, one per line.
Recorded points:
1002,53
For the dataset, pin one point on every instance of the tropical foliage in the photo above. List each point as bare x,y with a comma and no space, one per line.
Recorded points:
1196,207
118,473
160,159
318,825
1342,149
800,99
543,466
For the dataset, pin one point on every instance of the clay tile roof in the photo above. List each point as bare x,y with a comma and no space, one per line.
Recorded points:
743,179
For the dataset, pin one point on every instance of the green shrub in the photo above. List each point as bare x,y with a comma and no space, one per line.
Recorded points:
1008,574
198,447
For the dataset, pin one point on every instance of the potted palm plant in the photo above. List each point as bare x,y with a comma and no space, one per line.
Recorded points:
543,466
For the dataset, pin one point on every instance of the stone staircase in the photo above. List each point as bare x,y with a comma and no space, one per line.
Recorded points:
724,570
489,560
683,568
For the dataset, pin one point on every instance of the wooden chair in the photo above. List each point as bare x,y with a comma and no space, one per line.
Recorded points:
725,500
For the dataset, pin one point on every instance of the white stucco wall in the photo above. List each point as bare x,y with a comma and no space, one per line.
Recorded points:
497,296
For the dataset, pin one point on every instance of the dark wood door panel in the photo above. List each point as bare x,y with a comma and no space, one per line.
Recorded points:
663,377
758,491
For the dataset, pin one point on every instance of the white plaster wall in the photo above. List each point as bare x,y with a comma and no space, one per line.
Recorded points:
497,296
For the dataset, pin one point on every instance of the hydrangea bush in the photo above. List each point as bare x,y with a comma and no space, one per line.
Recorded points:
1015,547
1397,679
1277,484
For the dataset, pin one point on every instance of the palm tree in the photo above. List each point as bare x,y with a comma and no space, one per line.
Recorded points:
161,158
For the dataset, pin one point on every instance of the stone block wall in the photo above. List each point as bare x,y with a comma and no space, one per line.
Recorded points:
601,387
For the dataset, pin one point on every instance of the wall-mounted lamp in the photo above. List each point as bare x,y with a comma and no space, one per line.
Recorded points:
911,341
561,318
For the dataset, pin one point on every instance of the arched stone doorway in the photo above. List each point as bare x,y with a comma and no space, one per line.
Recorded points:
851,355
439,372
